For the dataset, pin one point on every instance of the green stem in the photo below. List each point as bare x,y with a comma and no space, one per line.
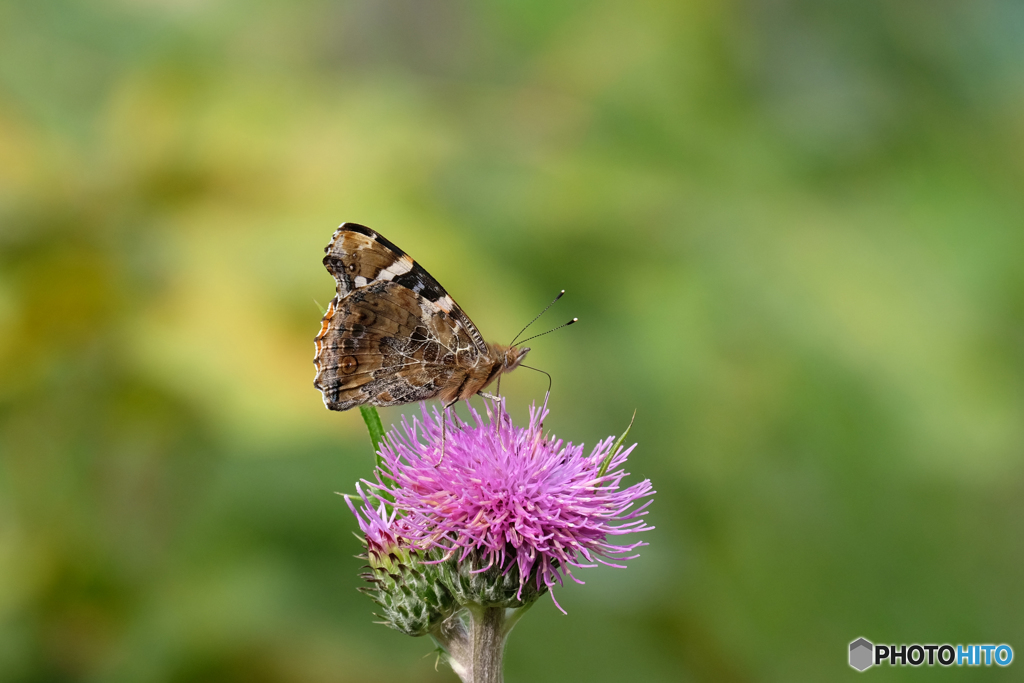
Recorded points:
376,429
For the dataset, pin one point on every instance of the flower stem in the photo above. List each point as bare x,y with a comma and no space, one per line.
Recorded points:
453,637
488,644
376,429
475,646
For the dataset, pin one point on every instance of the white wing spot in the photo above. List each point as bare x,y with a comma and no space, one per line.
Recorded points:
446,304
402,266
360,281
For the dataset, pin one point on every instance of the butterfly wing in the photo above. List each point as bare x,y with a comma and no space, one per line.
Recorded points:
386,345
358,256
391,335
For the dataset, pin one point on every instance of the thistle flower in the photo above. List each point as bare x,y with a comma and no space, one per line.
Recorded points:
380,532
413,598
509,502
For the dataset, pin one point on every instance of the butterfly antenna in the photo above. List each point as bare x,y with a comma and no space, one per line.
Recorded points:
538,316
550,331
529,367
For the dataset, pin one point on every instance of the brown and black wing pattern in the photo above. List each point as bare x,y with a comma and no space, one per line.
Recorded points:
385,344
358,256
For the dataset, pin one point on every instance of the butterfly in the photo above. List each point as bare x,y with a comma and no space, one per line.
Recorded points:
393,335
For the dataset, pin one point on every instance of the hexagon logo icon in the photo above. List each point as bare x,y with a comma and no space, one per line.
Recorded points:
861,652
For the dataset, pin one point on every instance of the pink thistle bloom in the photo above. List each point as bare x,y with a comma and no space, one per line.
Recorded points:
509,496
410,594
377,525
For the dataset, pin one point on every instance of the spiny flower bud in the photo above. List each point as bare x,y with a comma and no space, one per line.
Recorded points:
410,593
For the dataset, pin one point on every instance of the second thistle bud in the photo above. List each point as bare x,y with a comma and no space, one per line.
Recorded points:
411,595
412,598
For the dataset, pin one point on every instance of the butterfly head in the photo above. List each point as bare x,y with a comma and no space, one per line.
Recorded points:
512,357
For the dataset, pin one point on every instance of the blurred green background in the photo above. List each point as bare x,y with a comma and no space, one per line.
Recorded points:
792,230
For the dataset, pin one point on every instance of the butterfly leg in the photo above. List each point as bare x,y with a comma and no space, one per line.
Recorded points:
497,402
444,426
497,423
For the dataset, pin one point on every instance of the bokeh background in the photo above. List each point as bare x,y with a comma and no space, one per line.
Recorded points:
792,230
